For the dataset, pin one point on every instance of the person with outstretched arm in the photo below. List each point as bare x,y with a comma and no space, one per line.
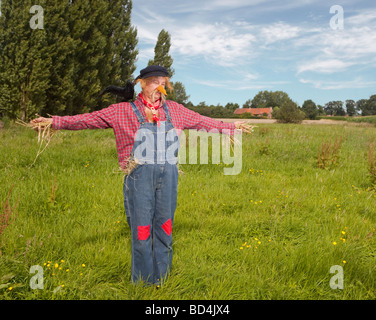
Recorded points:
146,132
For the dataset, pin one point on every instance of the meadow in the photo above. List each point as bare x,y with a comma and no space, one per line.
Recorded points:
274,231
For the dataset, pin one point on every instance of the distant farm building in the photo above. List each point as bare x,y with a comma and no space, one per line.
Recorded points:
257,112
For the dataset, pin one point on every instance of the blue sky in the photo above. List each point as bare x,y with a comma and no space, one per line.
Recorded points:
229,50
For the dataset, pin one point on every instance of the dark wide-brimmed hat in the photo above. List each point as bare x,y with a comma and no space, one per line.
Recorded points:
153,71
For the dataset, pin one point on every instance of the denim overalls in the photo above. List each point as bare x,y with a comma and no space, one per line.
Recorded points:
150,196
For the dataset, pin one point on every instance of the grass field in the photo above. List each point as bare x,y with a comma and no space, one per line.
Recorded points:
272,232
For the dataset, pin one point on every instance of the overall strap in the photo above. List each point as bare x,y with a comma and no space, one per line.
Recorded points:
139,116
168,118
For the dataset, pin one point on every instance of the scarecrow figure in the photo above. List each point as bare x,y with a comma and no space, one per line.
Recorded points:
146,132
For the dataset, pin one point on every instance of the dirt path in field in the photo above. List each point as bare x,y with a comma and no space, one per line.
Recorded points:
321,121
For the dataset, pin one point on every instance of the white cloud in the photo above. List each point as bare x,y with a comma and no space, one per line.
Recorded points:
324,66
218,43
279,31
330,51
363,18
280,49
240,85
195,6
357,83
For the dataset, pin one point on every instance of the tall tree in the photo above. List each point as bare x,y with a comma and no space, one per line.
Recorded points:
121,47
350,107
60,68
334,108
179,94
262,99
310,109
361,106
87,21
231,106
248,104
161,52
61,48
369,107
266,99
24,61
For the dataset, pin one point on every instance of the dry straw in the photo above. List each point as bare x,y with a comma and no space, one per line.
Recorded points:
131,165
244,128
45,134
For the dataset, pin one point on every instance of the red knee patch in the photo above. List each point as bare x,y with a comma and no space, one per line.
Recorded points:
167,227
143,232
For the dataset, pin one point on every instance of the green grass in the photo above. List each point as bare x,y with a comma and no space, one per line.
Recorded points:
71,209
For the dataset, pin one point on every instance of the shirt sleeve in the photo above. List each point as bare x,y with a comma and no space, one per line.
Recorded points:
101,119
194,120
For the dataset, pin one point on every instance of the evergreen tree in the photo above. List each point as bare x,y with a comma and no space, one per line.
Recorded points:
86,24
179,94
24,61
82,47
61,48
121,52
161,52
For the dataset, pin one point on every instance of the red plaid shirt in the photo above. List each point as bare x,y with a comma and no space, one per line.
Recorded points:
122,119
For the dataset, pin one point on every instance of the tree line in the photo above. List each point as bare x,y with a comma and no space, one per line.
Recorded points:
285,109
84,46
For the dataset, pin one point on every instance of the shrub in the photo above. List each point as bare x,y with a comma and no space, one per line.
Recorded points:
289,112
